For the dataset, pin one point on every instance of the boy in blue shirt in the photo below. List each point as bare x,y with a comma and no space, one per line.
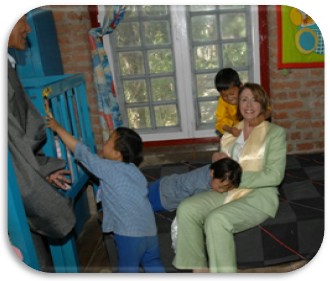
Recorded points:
123,191
166,193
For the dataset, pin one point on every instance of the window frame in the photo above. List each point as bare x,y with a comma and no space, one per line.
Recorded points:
182,63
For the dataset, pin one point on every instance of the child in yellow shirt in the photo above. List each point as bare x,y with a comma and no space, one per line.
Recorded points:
228,84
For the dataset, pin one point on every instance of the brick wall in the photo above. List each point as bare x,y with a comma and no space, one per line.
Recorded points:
297,98
72,26
297,94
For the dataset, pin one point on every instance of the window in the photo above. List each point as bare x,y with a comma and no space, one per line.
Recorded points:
165,59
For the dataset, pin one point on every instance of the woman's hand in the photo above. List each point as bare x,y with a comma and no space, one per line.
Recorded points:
59,179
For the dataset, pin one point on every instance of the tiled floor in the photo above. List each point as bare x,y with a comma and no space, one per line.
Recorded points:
91,250
94,258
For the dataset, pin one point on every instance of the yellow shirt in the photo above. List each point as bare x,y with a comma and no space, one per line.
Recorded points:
226,114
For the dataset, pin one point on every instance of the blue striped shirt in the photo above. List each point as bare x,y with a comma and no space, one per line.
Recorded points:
176,187
126,208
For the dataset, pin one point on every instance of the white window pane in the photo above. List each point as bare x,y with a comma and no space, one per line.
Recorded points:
206,57
235,55
135,91
207,111
244,75
166,115
233,26
163,89
204,28
154,10
128,35
157,33
230,7
160,61
131,63
205,85
197,8
139,118
131,12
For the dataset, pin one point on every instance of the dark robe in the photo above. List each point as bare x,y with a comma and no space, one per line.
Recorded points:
48,212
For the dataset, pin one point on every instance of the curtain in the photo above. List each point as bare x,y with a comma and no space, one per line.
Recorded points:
108,107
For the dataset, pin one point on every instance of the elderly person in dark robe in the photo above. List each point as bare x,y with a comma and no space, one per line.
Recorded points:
49,214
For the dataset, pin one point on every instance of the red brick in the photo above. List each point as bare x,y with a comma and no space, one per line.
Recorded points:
289,105
303,114
305,146
295,136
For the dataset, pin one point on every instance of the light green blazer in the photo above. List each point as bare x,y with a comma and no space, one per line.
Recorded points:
265,182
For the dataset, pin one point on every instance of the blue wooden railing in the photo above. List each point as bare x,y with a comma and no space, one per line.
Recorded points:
65,97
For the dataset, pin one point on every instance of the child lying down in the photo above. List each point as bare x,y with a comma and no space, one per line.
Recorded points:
226,176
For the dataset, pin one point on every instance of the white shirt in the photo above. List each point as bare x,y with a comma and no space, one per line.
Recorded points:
238,146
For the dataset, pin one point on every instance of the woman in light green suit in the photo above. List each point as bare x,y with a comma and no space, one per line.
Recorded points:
206,226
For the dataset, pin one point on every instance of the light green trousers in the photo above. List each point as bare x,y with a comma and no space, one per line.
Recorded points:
206,230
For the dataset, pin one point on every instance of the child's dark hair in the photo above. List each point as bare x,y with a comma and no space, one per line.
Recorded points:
226,78
130,145
227,169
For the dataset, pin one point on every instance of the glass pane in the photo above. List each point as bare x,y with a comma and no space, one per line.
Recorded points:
244,76
206,57
204,28
160,61
135,91
196,8
157,32
230,7
154,10
205,85
233,26
207,111
131,12
163,89
128,34
166,115
131,63
235,55
139,117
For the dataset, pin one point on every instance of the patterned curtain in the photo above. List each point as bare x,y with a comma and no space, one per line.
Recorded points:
109,112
